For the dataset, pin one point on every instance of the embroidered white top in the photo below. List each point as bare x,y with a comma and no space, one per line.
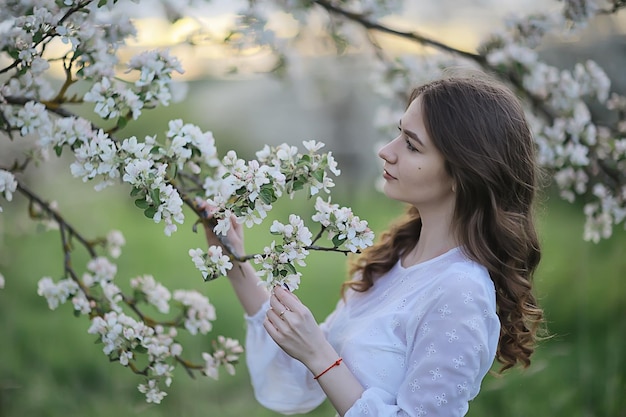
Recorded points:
420,342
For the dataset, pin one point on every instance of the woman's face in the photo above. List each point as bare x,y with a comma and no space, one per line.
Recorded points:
414,169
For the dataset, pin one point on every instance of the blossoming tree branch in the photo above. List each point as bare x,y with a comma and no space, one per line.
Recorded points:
166,171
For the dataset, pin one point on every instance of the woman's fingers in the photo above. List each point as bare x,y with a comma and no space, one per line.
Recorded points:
286,298
291,325
279,307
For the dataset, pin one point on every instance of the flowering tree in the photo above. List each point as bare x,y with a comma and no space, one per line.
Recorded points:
165,171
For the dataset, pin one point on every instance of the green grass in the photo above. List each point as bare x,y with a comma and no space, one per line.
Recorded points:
50,366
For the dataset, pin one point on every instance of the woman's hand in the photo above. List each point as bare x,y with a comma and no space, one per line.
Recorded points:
293,327
234,238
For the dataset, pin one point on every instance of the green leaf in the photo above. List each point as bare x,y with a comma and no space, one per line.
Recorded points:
135,191
291,268
337,241
211,277
298,185
150,212
267,195
241,191
58,149
172,170
122,122
318,175
155,196
142,203
140,349
139,296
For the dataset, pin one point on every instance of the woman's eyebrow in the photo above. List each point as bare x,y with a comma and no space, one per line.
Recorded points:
410,134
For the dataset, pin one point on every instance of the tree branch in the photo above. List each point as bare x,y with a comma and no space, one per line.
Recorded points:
57,218
413,36
21,101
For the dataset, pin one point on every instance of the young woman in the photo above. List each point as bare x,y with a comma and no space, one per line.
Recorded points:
445,291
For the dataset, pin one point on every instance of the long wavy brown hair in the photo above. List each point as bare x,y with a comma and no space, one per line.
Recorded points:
480,129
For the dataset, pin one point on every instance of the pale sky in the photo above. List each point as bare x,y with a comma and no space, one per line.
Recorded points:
460,23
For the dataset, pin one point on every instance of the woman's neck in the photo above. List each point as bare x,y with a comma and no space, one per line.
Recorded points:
423,252
436,238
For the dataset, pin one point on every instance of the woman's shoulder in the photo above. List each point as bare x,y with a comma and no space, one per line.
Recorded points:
465,278
461,264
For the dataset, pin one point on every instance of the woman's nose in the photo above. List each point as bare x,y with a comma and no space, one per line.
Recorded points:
387,153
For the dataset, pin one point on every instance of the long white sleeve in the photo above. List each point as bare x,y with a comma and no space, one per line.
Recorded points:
280,382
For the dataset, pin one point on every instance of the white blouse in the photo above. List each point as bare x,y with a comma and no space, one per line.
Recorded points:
420,342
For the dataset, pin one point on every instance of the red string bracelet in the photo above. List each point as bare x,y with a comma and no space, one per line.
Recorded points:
336,363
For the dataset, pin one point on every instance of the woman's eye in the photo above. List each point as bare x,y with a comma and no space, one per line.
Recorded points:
409,146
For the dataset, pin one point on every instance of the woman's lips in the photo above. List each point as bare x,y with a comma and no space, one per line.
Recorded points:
387,175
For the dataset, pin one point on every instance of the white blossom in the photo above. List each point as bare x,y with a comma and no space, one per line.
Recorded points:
114,242
227,351
152,392
313,146
81,303
56,293
103,271
98,156
210,366
8,185
199,311
32,118
66,130
340,222
113,295
137,172
156,294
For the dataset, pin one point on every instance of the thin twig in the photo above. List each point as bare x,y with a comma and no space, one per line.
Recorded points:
57,218
21,101
413,36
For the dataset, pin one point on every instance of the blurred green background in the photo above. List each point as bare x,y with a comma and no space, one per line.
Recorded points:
50,366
